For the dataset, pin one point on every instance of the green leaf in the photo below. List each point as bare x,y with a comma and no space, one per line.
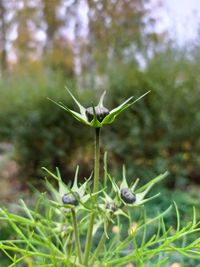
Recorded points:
124,183
135,184
62,186
116,111
149,185
75,187
95,123
82,109
75,114
101,99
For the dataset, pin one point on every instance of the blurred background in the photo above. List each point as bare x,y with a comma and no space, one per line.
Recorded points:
124,47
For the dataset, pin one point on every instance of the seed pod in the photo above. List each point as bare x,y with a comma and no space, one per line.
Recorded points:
101,113
127,196
69,199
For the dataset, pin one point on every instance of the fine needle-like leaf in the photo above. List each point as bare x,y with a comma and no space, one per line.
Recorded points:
177,217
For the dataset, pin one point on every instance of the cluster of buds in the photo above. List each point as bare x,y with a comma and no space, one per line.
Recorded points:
125,195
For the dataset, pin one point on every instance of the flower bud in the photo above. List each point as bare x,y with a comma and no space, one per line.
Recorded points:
111,206
127,196
101,113
69,199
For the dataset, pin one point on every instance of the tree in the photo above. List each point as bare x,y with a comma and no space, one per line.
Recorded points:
26,21
52,20
3,51
113,32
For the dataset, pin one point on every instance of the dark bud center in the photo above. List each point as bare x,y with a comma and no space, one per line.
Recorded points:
70,199
111,206
101,113
127,196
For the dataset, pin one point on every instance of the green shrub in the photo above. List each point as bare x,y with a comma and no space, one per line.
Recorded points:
61,228
160,132
41,132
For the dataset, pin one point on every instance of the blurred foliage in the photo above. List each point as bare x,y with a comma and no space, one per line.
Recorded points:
42,133
161,132
118,50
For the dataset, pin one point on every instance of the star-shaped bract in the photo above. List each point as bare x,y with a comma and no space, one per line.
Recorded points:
137,196
98,120
77,193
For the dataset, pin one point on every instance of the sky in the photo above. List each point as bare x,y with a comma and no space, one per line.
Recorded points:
182,18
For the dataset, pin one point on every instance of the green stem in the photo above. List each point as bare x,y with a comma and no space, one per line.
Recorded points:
95,189
96,160
77,240
99,248
105,169
100,245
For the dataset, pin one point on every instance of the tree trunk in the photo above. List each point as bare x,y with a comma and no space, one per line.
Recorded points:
3,51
